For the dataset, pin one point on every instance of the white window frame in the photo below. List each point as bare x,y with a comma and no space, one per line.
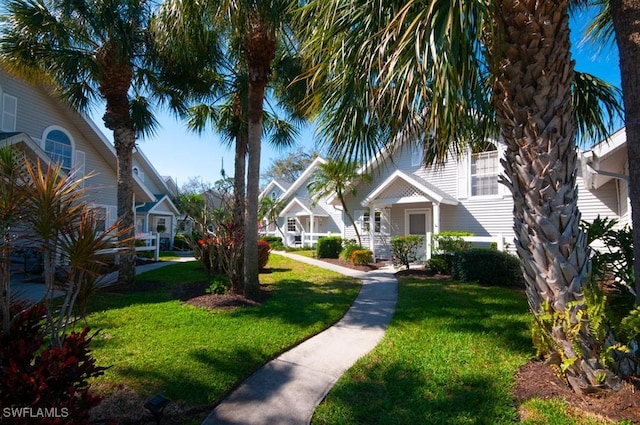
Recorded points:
52,155
491,175
292,225
9,114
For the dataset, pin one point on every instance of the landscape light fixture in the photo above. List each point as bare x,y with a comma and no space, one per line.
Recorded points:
156,406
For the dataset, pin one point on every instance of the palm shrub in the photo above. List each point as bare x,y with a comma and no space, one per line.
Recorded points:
329,247
405,249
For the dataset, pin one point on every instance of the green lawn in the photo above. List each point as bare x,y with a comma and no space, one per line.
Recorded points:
449,357
155,343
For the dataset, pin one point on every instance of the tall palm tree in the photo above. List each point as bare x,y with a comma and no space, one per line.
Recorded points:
99,52
254,32
444,67
618,20
337,177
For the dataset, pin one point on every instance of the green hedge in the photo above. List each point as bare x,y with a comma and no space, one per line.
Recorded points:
487,267
329,247
274,241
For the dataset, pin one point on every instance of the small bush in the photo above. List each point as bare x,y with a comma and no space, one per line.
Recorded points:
349,245
329,247
487,267
263,253
439,264
274,241
219,285
405,248
180,242
361,257
449,242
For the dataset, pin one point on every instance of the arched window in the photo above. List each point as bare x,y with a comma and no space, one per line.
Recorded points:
485,167
58,146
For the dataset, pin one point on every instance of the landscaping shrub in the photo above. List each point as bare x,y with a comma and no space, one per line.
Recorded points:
440,263
349,245
361,257
329,247
180,242
274,241
263,253
404,249
43,378
219,285
487,267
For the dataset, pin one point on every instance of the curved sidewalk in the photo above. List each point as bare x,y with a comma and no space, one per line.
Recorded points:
287,390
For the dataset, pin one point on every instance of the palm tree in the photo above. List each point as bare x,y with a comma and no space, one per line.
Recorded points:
93,52
253,33
444,67
618,20
336,177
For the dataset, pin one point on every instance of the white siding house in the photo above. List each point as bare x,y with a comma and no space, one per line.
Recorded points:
403,197
36,122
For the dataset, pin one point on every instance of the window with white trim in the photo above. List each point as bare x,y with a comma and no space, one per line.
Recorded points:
291,224
366,221
57,145
100,214
9,112
485,168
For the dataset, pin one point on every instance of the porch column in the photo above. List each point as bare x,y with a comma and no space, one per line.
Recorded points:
312,229
372,228
436,218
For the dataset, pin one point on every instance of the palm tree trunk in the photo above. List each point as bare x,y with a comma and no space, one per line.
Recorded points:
533,104
124,141
239,207
626,21
256,97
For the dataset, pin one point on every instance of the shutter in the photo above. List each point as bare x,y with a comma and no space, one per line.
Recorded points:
9,112
463,174
112,215
79,166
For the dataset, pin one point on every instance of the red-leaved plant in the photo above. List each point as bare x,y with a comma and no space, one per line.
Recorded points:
45,385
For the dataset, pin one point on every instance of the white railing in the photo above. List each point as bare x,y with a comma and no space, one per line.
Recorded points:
152,243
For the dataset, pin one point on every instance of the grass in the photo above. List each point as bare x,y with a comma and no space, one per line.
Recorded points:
154,343
449,357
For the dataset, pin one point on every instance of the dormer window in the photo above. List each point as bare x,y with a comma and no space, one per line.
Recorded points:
57,144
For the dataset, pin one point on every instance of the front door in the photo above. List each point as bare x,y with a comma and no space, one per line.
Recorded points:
418,222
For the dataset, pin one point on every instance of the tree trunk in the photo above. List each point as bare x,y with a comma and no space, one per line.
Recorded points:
626,21
124,141
533,69
239,206
256,97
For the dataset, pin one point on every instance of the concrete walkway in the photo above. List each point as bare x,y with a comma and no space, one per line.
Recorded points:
287,390
34,292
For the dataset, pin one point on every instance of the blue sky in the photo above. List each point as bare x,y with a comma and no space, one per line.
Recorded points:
176,152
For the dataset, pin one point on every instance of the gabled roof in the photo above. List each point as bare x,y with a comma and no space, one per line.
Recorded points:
306,174
605,161
151,207
22,141
418,188
282,185
305,206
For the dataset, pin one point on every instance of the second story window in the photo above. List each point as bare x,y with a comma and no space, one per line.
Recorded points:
485,167
58,146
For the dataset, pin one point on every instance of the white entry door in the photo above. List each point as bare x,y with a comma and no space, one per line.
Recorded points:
418,222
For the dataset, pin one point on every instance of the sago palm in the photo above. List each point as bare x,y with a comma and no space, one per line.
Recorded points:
453,69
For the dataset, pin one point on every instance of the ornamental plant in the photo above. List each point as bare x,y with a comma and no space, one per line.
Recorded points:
405,249
37,377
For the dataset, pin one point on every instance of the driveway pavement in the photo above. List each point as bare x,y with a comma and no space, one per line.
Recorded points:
287,390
